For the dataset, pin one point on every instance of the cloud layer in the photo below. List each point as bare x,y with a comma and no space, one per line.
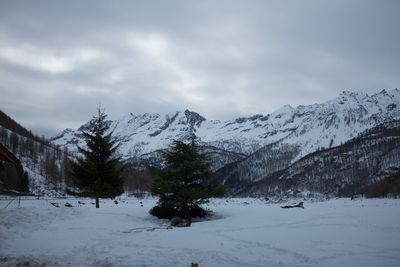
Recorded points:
59,60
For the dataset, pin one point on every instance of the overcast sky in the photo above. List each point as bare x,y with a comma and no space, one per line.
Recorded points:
222,59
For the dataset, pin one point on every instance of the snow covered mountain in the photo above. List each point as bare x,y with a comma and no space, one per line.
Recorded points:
301,130
359,166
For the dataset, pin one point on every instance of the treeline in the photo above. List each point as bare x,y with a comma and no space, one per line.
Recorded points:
390,186
137,182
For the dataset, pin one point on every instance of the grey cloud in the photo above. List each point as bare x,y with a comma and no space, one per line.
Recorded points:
59,60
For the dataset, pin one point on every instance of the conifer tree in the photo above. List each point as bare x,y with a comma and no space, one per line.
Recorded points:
98,172
184,184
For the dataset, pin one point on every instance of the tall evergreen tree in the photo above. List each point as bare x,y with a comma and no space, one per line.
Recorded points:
185,182
98,173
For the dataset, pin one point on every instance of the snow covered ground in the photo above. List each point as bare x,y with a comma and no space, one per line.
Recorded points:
243,232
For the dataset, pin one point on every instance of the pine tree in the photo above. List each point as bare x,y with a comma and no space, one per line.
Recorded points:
14,142
98,173
3,135
185,183
65,166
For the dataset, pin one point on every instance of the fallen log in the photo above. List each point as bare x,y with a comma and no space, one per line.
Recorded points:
147,229
300,205
55,204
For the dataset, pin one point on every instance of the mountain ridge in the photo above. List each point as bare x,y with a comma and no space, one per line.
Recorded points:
308,126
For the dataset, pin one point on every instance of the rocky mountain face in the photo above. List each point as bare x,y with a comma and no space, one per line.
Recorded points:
250,149
345,170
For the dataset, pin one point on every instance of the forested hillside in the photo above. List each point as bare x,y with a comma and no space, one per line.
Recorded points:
363,165
43,161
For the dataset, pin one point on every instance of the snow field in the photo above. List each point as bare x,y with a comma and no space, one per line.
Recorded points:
242,232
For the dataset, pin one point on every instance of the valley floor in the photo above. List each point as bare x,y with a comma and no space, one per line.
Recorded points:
243,232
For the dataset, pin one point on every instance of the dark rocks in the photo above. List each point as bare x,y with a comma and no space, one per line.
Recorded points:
180,222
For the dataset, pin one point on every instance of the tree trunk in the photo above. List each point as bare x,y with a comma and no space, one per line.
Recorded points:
186,212
97,203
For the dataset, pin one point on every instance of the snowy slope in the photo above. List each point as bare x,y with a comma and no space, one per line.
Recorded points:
243,232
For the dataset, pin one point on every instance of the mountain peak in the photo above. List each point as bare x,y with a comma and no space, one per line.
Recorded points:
383,92
352,94
193,118
284,109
